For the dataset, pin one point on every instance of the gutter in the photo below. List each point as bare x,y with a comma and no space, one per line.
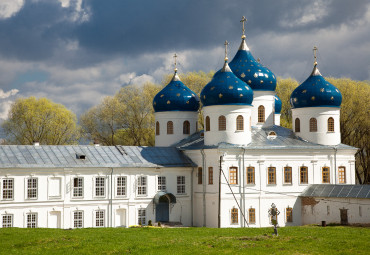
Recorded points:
191,197
204,187
111,198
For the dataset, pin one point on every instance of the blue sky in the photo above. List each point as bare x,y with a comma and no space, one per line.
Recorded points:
75,52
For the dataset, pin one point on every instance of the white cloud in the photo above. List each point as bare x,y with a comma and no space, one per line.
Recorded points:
5,105
9,8
4,95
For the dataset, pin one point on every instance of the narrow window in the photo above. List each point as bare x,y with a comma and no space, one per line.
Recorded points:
342,174
170,128
200,175
8,189
313,125
239,123
297,125
99,218
289,214
325,175
121,186
208,124
221,123
157,132
330,124
141,185
234,216
303,175
99,186
252,215
162,183
328,210
233,175
288,175
78,188
250,175
78,219
360,210
141,213
7,221
261,114
271,175
180,184
31,220
32,188
210,175
186,128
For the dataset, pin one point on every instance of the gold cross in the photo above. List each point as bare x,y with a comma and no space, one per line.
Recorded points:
226,43
315,49
243,21
175,57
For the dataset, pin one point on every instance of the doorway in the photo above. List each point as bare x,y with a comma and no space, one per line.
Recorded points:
54,219
162,212
121,218
343,216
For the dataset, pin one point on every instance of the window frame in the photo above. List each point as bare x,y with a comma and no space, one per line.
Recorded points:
252,215
261,116
31,220
271,176
208,123
288,175
78,222
99,187
78,189
200,175
251,175
6,192
210,175
234,219
99,218
342,175
331,127
170,130
121,188
142,186
141,216
325,175
240,123
161,183
180,187
186,128
32,192
303,175
313,125
5,222
297,125
233,175
289,214
157,128
221,123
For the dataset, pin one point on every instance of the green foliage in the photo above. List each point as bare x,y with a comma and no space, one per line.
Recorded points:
40,120
284,89
291,240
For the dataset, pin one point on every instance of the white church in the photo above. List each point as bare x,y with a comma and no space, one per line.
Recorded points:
227,175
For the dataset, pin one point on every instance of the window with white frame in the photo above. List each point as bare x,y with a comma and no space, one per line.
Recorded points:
162,183
180,184
78,219
8,189
78,187
141,219
99,186
100,218
31,220
7,221
121,186
141,185
32,188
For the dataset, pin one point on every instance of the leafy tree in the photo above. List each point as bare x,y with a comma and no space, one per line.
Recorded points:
284,89
40,120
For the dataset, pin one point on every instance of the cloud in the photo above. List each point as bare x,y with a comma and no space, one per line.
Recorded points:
9,8
4,95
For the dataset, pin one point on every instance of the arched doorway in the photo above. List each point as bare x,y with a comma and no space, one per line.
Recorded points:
162,209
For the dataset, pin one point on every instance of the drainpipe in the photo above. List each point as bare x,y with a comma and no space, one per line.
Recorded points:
111,198
335,164
204,187
219,192
243,182
191,197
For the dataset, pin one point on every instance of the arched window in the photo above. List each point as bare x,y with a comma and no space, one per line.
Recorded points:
342,174
234,216
186,127
287,175
221,123
208,124
303,173
261,114
157,128
289,214
252,215
233,175
170,128
297,125
250,175
325,174
240,123
272,175
313,125
330,124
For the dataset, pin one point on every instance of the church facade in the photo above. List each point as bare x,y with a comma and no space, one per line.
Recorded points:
227,175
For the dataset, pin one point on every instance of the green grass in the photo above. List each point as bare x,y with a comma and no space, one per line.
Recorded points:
291,240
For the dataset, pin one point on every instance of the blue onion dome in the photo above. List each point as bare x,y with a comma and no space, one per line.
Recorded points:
278,105
246,68
176,97
316,92
226,89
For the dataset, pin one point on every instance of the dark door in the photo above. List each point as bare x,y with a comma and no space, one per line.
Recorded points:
343,216
162,210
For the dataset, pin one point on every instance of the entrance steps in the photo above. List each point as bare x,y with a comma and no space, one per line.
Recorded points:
171,224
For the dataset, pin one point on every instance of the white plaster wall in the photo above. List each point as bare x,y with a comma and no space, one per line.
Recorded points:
328,209
267,99
277,119
322,136
178,118
230,135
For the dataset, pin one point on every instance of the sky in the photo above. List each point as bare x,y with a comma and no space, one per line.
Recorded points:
76,52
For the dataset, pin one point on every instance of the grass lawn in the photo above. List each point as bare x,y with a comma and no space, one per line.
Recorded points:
291,240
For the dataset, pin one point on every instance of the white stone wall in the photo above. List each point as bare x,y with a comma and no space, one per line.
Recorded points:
178,118
315,210
322,136
267,99
119,211
277,119
230,135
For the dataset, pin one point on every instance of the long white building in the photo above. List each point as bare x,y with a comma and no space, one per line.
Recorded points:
227,175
